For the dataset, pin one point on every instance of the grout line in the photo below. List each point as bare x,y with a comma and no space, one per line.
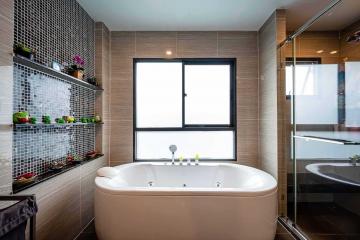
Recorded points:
109,98
217,43
83,229
258,161
176,43
135,39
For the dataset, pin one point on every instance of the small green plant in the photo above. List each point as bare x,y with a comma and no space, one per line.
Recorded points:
84,120
92,81
33,120
59,121
46,119
22,50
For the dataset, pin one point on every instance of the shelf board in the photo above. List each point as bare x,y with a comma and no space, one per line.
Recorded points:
50,174
47,70
328,140
41,125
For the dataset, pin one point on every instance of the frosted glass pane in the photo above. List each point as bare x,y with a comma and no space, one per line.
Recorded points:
316,90
352,94
210,145
158,94
208,94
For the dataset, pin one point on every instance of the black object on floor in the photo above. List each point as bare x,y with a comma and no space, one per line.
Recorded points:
13,219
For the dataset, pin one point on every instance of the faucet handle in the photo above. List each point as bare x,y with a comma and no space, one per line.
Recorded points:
181,158
197,159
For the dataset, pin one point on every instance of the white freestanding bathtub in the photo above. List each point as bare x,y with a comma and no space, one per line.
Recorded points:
210,201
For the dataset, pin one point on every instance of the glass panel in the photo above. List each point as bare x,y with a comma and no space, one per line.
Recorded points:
324,185
209,145
352,97
208,94
159,94
316,91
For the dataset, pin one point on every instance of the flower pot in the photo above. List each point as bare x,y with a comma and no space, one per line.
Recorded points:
25,54
79,74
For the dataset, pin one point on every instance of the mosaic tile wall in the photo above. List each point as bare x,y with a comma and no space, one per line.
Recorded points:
41,94
68,31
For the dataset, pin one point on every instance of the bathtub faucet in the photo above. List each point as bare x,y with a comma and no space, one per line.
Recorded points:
172,149
354,159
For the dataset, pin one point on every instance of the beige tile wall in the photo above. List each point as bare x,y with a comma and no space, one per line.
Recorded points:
6,85
272,102
128,45
66,202
102,74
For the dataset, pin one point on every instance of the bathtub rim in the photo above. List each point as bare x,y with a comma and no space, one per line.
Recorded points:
101,185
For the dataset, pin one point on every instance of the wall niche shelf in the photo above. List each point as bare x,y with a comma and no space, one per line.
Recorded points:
50,174
327,140
47,70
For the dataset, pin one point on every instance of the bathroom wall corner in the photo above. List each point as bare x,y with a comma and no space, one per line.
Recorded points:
272,119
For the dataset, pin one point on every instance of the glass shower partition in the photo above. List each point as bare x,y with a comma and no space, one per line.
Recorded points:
322,72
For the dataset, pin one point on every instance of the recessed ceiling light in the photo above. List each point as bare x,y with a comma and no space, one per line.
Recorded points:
320,51
168,52
333,52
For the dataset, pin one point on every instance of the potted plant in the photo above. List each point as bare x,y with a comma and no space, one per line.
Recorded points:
22,50
92,81
76,70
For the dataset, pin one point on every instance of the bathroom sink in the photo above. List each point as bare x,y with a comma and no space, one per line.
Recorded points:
339,172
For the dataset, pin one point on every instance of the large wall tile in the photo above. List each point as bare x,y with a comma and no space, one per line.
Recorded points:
155,44
197,44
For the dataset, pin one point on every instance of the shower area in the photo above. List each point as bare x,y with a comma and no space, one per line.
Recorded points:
321,66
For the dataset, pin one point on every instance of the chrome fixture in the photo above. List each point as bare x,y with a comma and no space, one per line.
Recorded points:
172,149
354,159
189,161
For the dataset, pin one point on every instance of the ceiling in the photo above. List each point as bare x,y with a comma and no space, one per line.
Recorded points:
195,15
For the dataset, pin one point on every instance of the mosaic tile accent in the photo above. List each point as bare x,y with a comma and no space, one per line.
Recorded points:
68,31
40,94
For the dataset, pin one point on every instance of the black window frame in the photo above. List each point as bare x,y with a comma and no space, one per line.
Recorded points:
191,127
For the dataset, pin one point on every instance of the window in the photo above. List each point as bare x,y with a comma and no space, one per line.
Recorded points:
186,102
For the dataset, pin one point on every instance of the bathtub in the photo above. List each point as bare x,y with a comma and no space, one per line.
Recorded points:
209,201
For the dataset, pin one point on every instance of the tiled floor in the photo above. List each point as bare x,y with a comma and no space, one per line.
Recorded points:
89,233
328,221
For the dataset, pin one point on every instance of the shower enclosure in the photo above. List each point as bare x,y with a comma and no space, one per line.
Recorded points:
321,62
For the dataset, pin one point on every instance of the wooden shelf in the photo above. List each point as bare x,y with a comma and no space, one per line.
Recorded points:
47,70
